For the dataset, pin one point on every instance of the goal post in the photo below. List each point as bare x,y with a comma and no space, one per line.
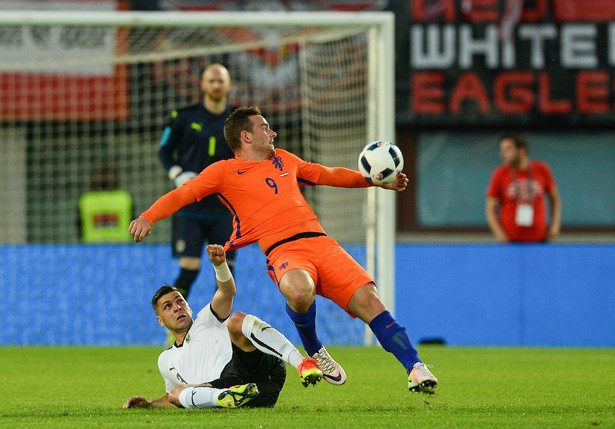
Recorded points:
84,91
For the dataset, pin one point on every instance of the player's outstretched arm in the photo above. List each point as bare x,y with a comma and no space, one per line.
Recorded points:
346,178
341,177
222,302
164,207
142,402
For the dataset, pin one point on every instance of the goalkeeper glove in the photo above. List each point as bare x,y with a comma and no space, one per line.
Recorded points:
184,177
179,176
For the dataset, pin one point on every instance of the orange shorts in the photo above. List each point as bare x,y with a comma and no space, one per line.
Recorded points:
336,274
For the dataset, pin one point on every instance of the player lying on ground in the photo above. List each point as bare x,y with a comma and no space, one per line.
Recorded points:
260,186
213,363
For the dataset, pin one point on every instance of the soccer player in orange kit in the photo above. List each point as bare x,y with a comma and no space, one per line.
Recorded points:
260,186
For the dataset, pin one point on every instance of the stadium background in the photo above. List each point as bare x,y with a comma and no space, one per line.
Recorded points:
449,114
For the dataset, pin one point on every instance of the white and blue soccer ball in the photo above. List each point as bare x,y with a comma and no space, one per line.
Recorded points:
380,162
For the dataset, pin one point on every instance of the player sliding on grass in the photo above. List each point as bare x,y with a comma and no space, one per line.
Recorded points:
260,186
242,371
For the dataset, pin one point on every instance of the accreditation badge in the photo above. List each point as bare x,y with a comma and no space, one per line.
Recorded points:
525,215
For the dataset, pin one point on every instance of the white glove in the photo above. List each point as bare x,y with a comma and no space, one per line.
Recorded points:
175,171
184,177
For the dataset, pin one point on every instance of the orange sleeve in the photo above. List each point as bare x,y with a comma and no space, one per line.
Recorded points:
342,178
169,203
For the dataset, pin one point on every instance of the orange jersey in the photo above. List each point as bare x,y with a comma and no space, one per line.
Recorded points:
263,196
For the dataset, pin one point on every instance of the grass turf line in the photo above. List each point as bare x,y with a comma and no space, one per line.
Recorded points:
479,387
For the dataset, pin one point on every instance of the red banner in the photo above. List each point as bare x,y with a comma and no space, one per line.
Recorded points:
63,72
486,62
42,96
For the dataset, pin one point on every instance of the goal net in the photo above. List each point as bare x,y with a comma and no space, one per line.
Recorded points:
84,99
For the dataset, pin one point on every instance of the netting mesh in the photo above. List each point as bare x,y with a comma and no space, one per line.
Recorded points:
64,119
84,107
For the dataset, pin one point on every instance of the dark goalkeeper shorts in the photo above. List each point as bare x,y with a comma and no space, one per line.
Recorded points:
268,372
191,234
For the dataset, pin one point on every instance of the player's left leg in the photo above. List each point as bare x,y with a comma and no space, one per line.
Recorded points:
267,371
248,332
366,304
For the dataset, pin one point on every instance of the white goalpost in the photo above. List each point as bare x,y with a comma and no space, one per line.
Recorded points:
82,91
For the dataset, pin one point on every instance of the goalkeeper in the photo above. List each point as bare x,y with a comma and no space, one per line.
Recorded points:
192,140
242,371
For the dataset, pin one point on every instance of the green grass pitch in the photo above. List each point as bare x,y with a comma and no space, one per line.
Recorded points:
79,387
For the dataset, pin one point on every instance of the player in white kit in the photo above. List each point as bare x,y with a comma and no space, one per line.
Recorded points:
217,361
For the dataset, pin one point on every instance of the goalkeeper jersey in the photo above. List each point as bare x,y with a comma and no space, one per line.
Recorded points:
194,139
203,355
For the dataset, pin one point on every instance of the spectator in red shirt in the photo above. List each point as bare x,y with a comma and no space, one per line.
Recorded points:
516,209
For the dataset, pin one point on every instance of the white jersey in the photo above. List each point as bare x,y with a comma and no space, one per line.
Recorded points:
203,355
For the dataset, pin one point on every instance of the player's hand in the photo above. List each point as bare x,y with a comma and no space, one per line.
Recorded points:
216,253
399,184
139,229
137,402
184,177
501,237
553,232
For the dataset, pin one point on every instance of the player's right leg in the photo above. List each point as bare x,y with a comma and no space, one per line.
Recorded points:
306,327
298,288
187,241
247,329
331,370
187,245
290,268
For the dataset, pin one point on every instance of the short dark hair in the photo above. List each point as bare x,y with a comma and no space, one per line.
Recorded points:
160,293
518,139
238,121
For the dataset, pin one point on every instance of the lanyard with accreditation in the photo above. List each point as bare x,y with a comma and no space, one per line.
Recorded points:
524,215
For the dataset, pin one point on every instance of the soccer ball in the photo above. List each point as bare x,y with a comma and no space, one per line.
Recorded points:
380,162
